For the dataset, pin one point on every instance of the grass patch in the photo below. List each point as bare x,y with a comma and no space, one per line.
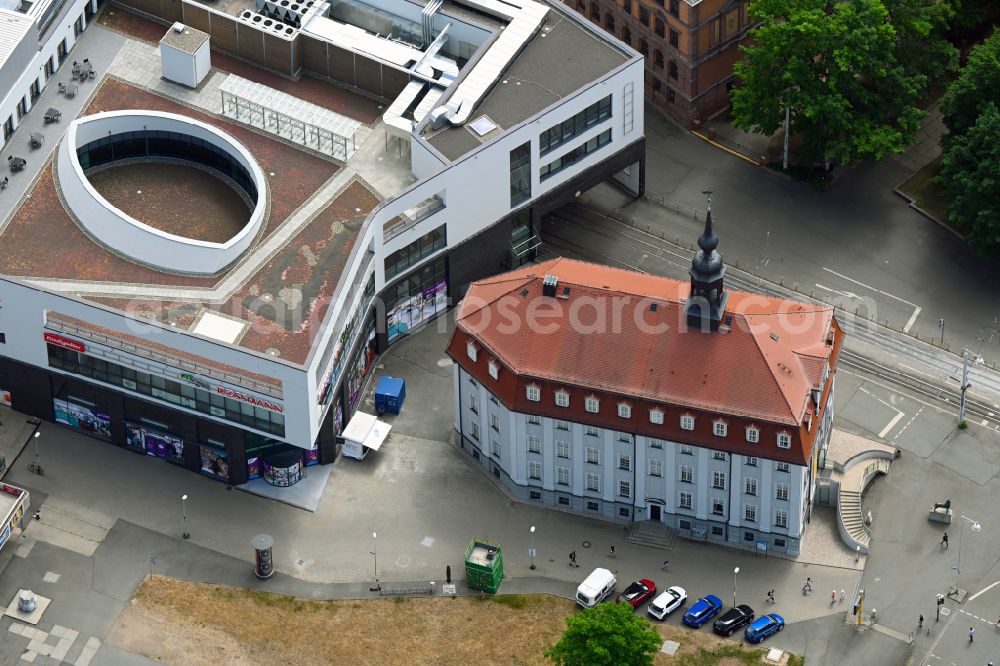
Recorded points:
207,624
927,194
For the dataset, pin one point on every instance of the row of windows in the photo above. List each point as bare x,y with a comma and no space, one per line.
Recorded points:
559,134
656,415
686,502
575,155
423,247
167,390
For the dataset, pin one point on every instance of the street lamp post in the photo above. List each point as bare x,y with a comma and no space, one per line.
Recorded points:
184,531
735,571
976,527
378,585
531,552
965,382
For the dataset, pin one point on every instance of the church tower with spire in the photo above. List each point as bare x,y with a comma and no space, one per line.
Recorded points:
706,305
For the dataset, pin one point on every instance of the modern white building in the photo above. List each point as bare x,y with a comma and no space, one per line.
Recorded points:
631,397
208,353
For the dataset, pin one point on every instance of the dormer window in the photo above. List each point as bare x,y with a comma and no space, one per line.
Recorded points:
472,349
624,410
784,440
687,422
720,428
562,398
656,416
533,393
592,404
494,369
753,434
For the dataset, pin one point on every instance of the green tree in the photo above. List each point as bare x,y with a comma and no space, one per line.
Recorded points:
970,174
977,85
606,635
835,65
922,47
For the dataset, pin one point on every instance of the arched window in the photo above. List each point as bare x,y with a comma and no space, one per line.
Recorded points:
609,22
658,59
672,72
643,48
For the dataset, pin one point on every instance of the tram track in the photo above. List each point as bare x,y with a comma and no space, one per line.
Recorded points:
568,231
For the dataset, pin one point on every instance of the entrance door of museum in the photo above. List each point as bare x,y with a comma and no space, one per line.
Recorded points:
654,513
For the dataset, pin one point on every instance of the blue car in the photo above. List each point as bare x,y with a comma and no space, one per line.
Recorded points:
702,611
763,627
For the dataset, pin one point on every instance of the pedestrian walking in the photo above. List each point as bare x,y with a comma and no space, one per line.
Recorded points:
770,596
665,564
611,553
807,588
572,559
842,595
944,540
972,633
920,622
833,597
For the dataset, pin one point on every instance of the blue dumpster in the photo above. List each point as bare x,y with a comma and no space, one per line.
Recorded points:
389,394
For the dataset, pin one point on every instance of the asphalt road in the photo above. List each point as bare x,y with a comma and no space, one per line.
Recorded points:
858,241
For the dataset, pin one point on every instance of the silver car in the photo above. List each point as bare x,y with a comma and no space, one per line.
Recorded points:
670,600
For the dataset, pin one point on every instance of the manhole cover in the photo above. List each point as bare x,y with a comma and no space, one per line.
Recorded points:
586,544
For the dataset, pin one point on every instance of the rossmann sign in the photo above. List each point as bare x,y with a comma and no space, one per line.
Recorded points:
250,400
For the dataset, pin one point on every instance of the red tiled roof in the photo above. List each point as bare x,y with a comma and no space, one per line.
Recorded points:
763,363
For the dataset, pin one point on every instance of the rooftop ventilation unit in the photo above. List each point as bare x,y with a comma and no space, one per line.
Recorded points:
178,27
549,284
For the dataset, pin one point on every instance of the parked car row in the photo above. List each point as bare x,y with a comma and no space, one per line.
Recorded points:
601,583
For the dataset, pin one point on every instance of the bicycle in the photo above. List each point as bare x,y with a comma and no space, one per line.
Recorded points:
36,468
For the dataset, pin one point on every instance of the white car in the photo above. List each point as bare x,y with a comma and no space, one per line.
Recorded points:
670,600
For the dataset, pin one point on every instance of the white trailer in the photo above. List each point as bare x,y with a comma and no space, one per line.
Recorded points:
363,433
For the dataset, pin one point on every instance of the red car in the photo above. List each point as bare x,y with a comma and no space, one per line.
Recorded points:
638,592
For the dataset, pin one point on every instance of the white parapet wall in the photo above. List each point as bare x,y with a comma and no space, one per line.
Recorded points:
132,238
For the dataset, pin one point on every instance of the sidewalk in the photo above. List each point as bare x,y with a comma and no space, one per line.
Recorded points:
15,431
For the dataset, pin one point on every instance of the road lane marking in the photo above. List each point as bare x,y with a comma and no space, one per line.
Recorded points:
985,589
891,424
916,308
913,318
908,423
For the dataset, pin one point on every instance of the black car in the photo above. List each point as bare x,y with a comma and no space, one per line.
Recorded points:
733,619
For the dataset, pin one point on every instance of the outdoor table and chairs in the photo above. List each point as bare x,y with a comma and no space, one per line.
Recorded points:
52,115
37,138
70,90
16,163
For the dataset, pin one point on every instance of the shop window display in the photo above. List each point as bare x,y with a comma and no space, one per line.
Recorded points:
82,418
214,461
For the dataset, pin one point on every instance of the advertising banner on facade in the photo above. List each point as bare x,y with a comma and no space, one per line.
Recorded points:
215,462
83,418
413,311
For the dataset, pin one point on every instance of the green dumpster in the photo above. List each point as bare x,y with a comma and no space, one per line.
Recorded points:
483,565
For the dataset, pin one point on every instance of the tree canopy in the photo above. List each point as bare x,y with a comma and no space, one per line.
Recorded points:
606,635
977,85
970,174
835,65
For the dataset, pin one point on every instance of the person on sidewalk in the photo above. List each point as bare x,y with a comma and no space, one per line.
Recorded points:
833,597
808,587
944,540
770,596
842,595
572,559
665,564
612,552
920,622
972,633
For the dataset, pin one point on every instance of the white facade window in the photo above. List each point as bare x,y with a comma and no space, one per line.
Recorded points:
687,450
562,425
593,431
562,449
592,404
655,443
685,501
562,476
687,422
753,435
655,467
687,474
784,440
656,416
719,455
624,462
750,487
718,507
781,519
593,455
781,467
495,422
720,428
496,448
594,482
781,492
494,369
719,480
624,437
624,410
472,350
475,431
562,398
473,404
534,444
534,470
624,489
750,513
751,461
533,393
534,420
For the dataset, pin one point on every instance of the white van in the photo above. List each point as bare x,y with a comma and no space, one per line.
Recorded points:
598,587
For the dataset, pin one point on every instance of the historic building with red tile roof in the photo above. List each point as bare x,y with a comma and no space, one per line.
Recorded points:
634,397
